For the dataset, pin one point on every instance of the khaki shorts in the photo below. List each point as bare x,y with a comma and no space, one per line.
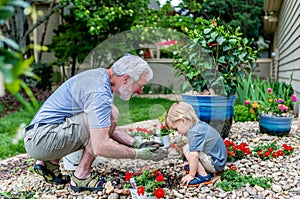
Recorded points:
204,159
54,141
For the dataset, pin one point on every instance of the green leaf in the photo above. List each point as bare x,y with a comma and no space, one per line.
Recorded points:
3,2
220,40
10,42
242,55
222,60
232,41
226,47
214,35
207,30
19,3
6,12
245,41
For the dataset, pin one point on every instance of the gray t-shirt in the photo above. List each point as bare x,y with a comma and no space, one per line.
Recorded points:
203,137
89,92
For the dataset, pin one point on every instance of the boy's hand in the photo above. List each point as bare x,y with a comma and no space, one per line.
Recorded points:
186,179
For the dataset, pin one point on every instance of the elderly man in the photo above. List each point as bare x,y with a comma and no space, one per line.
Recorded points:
80,115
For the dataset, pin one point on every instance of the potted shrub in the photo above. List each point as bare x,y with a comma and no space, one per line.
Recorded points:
211,62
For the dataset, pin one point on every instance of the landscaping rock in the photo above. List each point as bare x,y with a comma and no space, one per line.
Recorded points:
18,178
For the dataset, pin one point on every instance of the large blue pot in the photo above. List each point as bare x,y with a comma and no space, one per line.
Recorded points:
217,111
275,125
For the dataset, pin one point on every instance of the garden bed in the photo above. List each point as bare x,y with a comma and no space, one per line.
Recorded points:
18,179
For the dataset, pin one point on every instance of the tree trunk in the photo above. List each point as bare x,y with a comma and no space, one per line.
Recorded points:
73,65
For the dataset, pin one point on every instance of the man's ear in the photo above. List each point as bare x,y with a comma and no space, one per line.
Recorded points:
126,78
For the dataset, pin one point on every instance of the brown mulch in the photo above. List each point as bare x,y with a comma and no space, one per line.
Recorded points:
11,104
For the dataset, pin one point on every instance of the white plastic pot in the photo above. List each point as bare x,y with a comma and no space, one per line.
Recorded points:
71,161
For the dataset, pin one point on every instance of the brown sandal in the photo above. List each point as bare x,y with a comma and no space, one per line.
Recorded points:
92,183
51,173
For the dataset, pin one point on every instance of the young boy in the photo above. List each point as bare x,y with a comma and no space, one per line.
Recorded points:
205,150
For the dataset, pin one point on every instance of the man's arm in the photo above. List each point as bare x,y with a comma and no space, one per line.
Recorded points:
122,137
102,145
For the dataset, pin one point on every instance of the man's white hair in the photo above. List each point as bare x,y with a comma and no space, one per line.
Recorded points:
132,65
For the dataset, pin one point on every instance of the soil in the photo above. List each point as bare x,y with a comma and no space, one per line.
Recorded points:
10,103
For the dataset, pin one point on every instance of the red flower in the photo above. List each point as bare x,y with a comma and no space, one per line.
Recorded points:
275,155
280,153
266,154
129,175
259,152
162,126
215,44
159,193
160,178
288,148
141,190
232,167
149,131
156,172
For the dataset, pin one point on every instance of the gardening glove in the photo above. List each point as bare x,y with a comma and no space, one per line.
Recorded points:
150,153
138,144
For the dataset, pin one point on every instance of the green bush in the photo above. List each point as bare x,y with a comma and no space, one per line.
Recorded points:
241,114
45,73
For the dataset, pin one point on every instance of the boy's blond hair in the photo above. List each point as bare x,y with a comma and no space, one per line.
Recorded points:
181,110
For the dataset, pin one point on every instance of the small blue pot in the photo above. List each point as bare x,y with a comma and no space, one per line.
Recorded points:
275,125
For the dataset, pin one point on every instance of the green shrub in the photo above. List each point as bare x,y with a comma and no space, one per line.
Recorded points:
45,72
241,114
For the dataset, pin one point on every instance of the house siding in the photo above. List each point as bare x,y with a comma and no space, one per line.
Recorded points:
287,45
53,22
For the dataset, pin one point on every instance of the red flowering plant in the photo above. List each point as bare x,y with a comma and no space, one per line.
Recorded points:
271,150
143,132
164,130
150,181
236,151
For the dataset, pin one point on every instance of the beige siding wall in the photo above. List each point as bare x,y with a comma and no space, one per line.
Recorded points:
52,24
287,45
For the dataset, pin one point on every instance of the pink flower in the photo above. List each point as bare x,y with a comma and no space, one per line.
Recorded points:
269,90
280,100
282,107
294,97
247,102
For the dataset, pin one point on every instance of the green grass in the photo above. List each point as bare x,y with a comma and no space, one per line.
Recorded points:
140,109
9,125
134,110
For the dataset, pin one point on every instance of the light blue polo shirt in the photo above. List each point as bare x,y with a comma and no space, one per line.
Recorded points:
89,92
203,137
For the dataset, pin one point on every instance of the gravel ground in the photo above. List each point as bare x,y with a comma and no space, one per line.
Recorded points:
18,178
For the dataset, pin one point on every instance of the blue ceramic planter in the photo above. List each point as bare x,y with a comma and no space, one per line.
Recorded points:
217,111
275,125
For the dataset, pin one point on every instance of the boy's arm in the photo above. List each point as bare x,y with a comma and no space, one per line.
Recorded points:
193,159
193,163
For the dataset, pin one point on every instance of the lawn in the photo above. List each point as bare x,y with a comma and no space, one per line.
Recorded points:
134,110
